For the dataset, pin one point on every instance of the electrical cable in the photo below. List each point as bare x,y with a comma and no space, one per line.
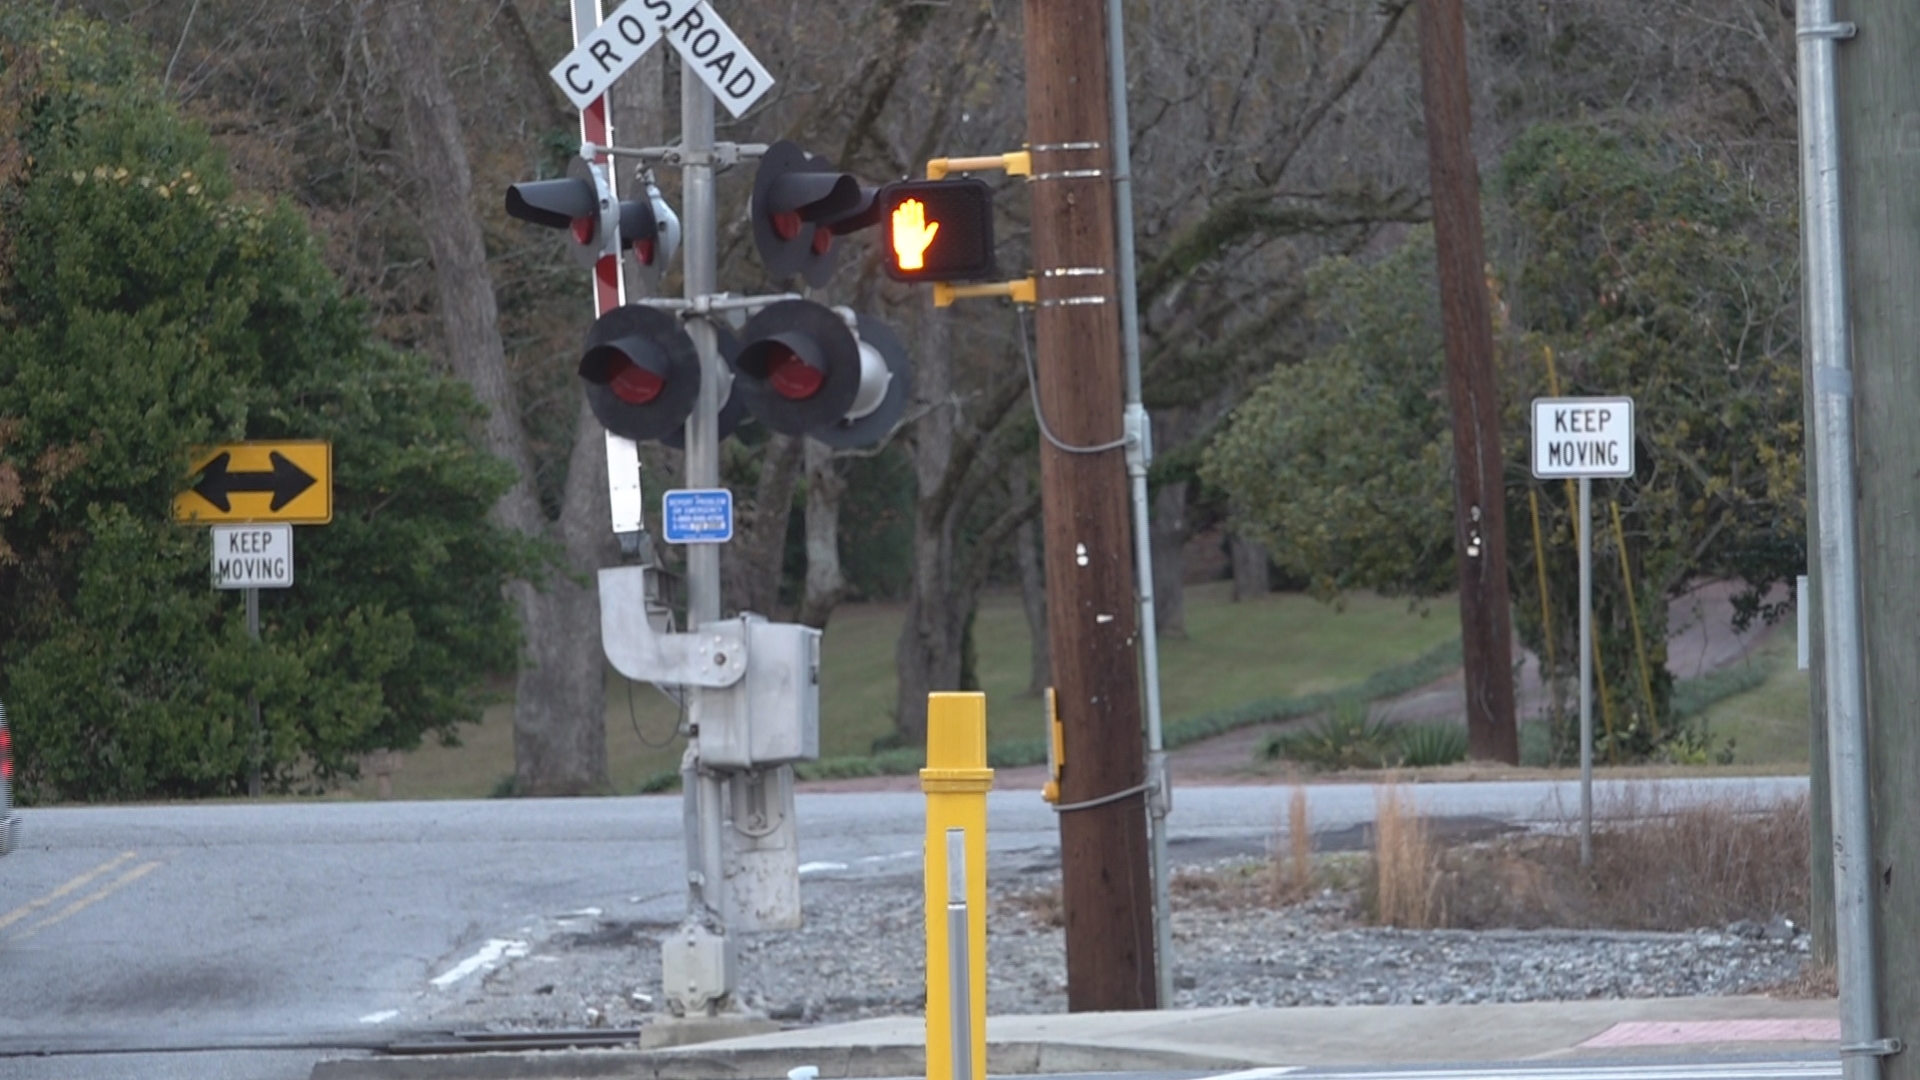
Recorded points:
633,715
1124,793
1033,393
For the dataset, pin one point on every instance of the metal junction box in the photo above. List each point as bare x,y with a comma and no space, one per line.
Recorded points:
772,715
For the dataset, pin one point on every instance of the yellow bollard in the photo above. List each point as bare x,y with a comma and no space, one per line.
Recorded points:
956,781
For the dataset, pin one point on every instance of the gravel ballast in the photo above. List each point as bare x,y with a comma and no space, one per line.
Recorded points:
862,949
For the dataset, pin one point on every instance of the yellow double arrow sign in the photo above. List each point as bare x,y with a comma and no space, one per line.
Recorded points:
255,482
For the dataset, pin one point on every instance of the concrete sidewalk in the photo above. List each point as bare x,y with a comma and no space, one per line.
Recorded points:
1198,1040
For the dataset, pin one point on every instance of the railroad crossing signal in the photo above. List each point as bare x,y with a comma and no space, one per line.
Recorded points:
800,203
802,370
583,204
244,483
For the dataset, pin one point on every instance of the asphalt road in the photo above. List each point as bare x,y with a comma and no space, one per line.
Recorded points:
182,934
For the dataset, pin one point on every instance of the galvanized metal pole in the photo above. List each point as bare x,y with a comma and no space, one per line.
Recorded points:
1829,342
1139,457
1583,526
959,948
699,246
258,750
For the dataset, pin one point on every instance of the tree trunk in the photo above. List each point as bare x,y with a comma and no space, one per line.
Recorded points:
1251,576
1033,594
563,686
1169,530
559,704
928,654
826,585
957,459
751,565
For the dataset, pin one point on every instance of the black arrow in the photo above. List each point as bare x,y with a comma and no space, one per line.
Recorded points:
286,481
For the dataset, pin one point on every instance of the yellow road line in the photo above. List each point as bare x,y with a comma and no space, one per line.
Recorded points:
32,906
90,899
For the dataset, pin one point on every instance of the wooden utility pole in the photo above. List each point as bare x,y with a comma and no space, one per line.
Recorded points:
1108,893
1879,121
1479,492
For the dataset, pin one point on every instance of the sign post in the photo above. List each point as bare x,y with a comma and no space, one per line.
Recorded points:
1581,438
253,494
253,557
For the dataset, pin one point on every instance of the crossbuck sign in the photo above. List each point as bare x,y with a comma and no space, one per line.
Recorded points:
705,43
1575,437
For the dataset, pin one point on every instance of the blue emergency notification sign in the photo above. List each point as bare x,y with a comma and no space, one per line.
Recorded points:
697,515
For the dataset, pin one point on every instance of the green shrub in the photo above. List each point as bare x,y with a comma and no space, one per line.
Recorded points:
1426,745
1345,738
147,309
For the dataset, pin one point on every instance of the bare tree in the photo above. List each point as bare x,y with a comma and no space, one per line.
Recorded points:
825,584
559,730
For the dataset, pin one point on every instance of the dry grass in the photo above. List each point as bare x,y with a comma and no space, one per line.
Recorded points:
1043,906
1404,862
1814,982
1699,866
1292,877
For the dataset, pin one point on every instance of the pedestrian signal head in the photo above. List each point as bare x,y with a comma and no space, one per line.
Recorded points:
938,230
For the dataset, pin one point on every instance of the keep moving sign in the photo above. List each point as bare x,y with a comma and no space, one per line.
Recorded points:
252,556
702,38
1575,437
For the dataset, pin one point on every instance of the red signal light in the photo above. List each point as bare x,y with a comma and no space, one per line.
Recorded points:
791,377
634,384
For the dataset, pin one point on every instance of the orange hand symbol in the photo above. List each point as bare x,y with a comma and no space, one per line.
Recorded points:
912,234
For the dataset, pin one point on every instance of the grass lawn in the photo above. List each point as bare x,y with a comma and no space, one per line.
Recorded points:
1767,724
1281,645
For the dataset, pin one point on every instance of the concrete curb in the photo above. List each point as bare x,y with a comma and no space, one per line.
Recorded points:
1217,1040
762,1063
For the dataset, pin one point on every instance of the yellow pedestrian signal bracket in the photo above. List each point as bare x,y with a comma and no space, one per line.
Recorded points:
1024,290
1056,749
1015,163
259,482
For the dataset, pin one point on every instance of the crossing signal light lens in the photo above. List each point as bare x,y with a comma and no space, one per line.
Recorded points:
792,377
641,372
938,230
634,384
803,370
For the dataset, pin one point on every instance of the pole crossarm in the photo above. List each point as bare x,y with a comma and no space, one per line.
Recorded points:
722,153
708,303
